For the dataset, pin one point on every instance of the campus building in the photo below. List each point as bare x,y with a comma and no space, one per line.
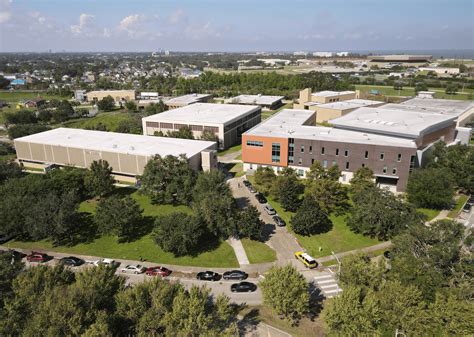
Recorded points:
127,154
404,60
265,101
389,142
117,95
327,111
226,121
309,99
180,101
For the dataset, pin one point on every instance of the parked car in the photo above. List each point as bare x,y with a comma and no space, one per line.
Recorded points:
71,261
269,209
243,287
37,257
471,200
261,198
6,237
466,208
106,262
235,275
208,276
158,271
279,221
251,189
247,183
133,269
307,260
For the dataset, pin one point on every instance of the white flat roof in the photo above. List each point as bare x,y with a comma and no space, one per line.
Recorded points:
118,142
327,93
186,99
288,123
199,113
442,106
397,122
255,99
349,104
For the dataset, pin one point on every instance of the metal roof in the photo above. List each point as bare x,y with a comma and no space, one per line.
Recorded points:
255,99
186,99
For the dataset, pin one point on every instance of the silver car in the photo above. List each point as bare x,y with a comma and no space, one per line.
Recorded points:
133,269
269,209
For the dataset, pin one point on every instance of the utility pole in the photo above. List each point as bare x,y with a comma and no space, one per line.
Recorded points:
338,262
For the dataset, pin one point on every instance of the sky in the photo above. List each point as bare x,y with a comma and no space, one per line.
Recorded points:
235,25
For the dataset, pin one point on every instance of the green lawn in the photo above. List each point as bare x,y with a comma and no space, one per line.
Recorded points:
457,208
109,119
16,96
237,169
218,254
258,252
339,239
430,213
230,150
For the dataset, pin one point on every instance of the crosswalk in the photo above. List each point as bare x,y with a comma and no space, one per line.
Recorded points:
328,285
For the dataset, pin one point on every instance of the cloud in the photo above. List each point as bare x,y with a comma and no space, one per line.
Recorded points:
178,16
85,23
130,22
5,10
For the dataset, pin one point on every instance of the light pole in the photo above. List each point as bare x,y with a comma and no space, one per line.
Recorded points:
338,262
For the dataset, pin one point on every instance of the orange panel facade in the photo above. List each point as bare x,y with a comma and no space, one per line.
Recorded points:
263,154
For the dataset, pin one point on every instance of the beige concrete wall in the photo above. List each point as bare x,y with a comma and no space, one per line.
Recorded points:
117,95
325,114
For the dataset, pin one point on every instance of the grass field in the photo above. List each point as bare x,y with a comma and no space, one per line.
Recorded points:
339,239
258,252
230,150
110,119
457,207
218,254
430,213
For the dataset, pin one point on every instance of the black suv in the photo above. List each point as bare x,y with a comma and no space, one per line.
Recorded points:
247,183
208,276
279,221
261,198
235,275
72,261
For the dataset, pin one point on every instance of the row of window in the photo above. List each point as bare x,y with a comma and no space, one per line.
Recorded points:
346,153
254,143
348,165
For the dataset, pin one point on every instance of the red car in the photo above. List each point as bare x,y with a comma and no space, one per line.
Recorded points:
155,271
37,257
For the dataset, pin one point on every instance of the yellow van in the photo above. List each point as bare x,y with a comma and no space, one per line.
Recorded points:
307,260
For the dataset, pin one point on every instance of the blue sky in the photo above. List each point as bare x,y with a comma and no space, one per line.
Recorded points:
231,25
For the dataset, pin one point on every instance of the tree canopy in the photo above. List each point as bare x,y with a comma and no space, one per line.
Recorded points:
310,219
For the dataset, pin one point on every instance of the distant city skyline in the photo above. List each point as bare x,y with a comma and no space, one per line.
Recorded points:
244,25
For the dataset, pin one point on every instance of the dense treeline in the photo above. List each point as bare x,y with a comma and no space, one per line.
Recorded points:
55,301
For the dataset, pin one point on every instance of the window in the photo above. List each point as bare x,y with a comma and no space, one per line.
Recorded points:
300,172
310,149
322,150
384,169
291,150
166,125
412,162
325,163
300,161
347,165
366,156
312,161
346,153
337,152
302,148
254,143
152,124
275,152
363,165
334,163
394,171
399,157
382,156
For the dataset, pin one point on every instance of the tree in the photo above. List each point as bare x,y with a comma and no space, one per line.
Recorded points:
9,170
330,194
430,188
21,130
44,115
20,117
155,108
310,219
62,112
98,179
9,268
317,171
378,213
129,126
119,216
451,89
363,178
185,133
398,85
131,106
168,180
265,178
287,189
178,233
250,224
285,291
209,136
359,271
420,86
106,104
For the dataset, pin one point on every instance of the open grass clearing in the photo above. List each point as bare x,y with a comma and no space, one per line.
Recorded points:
429,213
111,120
460,201
230,150
258,252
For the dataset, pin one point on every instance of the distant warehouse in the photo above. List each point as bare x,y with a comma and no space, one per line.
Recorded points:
127,154
180,101
265,101
226,122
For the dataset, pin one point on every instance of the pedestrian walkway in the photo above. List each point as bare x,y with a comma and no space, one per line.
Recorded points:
328,285
239,251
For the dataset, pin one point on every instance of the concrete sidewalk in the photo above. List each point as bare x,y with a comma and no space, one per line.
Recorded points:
383,245
239,251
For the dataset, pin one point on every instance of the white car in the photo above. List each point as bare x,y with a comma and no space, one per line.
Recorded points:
133,269
106,262
269,209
